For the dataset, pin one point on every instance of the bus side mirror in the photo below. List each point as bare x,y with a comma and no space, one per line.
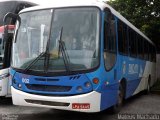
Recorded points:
12,16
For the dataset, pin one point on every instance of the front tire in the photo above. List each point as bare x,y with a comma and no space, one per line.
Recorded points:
117,107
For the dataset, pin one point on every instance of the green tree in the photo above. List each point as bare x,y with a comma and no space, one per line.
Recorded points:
144,14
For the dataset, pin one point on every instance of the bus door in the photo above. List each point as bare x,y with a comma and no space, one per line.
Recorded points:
110,60
110,46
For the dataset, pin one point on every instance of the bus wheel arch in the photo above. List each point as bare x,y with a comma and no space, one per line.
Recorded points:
121,96
123,82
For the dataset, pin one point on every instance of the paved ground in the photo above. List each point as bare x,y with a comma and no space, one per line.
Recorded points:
143,105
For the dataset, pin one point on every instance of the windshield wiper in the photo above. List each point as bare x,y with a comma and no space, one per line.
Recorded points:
62,49
34,61
39,56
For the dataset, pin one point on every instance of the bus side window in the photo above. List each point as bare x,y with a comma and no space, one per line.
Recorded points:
149,48
110,50
132,43
153,54
122,38
145,50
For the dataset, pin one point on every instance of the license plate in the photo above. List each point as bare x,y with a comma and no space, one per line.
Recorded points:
80,105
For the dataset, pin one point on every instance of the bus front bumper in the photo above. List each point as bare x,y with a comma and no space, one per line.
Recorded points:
89,102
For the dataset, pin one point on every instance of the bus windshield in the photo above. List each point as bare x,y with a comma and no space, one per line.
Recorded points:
47,39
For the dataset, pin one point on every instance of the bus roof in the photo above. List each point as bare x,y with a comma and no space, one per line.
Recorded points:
79,3
10,27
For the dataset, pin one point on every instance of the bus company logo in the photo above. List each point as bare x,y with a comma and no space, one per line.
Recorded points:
133,68
80,105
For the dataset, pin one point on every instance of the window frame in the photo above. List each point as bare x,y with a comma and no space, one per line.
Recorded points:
105,50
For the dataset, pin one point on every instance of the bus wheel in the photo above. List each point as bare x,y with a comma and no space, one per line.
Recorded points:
117,107
148,90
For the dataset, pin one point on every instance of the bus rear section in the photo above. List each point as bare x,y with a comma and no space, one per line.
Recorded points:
4,71
67,57
6,36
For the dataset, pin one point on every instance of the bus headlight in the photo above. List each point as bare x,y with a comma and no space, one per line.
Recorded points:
19,85
87,84
79,88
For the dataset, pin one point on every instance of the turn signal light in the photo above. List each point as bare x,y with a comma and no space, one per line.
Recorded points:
95,80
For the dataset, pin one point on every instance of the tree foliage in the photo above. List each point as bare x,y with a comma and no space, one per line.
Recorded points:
144,14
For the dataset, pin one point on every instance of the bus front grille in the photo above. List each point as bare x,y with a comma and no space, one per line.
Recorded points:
48,88
49,103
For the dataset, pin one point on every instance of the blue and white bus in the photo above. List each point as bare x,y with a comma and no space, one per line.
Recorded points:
79,56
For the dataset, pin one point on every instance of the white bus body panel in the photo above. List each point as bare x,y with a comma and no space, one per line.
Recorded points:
92,98
149,70
5,89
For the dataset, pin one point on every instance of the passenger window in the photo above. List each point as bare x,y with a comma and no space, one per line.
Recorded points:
110,49
132,43
122,38
154,55
150,52
146,50
140,47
